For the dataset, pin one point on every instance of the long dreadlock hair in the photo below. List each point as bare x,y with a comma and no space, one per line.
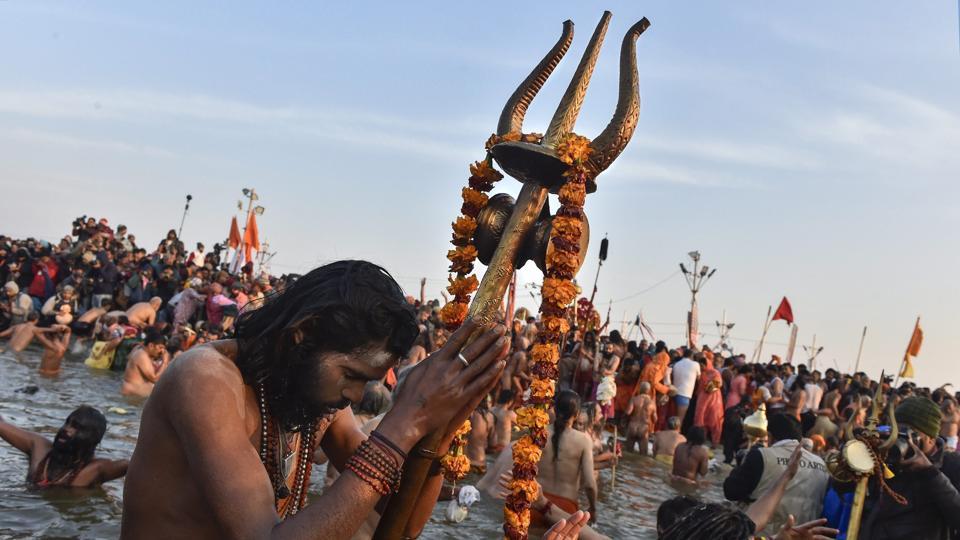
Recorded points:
339,307
710,522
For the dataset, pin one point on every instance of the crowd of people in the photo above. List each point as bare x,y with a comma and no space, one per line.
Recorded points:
768,426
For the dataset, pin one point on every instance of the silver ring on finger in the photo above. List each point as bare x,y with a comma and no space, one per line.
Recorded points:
466,363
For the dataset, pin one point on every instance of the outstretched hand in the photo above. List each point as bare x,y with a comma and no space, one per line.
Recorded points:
568,529
794,464
811,530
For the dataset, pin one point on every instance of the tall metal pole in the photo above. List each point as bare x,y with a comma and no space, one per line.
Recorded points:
184,217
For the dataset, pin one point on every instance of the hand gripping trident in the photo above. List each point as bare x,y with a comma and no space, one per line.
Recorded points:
508,234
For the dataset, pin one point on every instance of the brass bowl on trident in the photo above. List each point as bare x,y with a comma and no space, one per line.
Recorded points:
511,233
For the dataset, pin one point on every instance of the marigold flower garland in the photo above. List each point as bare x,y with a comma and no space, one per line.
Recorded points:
483,176
559,292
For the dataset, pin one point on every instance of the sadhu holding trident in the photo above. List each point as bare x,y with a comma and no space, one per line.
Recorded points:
227,437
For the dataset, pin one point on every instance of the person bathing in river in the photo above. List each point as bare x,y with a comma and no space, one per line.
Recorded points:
504,417
567,461
665,442
690,459
145,365
642,414
481,430
68,460
233,424
21,335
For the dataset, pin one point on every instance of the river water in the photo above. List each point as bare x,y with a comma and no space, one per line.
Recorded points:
629,512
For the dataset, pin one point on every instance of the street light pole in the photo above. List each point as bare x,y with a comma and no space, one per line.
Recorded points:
695,281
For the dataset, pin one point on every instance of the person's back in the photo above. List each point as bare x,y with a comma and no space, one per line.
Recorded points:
690,458
762,468
685,373
665,442
566,465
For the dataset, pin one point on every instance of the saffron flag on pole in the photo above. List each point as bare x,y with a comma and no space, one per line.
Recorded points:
913,349
234,239
784,312
251,237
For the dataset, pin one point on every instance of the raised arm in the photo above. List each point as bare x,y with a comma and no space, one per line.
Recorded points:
25,441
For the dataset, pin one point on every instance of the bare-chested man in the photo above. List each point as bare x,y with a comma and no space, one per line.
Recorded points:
481,428
297,363
642,413
145,365
665,442
515,377
144,314
691,459
567,462
68,460
504,417
20,336
949,424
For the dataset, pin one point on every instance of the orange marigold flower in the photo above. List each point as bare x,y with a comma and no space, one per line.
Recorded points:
545,352
525,451
491,141
464,226
453,314
513,136
543,388
559,292
527,489
462,254
573,148
573,193
556,325
521,522
532,417
563,261
532,137
474,197
464,429
567,227
482,169
461,287
455,467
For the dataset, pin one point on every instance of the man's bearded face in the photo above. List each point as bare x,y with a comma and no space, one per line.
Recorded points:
326,382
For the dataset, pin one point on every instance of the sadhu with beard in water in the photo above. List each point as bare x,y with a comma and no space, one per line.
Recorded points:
228,434
67,461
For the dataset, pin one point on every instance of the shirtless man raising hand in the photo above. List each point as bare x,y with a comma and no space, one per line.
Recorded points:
68,460
226,438
145,365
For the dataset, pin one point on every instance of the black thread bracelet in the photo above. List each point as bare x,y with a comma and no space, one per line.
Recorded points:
380,437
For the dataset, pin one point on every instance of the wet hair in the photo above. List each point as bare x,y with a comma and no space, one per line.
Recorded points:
33,316
710,522
90,425
506,396
152,335
671,509
567,405
375,400
673,422
339,307
696,436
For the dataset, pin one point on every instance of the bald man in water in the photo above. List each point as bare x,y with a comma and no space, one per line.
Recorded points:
144,314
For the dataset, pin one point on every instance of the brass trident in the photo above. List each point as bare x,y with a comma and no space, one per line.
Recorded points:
537,165
541,171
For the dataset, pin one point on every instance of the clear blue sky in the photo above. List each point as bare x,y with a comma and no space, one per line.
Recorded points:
806,149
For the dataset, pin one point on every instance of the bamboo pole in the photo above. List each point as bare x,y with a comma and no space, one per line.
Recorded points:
766,326
613,474
856,511
860,350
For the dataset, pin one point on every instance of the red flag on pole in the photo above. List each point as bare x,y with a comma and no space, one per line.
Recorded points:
234,239
784,312
251,237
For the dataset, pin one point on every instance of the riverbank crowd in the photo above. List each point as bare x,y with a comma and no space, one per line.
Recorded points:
767,427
